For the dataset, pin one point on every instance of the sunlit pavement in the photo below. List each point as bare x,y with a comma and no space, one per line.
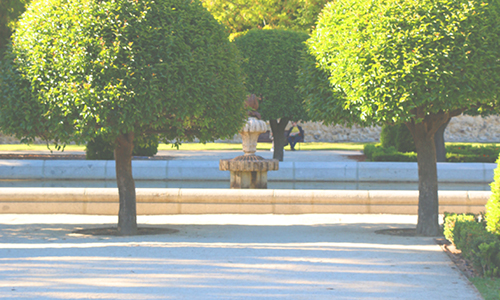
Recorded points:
225,257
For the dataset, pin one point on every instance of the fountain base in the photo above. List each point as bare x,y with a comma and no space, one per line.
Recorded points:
248,171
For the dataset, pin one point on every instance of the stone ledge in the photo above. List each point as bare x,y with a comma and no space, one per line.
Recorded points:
104,201
209,170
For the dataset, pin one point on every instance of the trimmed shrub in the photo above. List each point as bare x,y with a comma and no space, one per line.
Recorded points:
99,149
397,136
449,224
404,139
379,153
482,154
476,243
388,136
395,156
493,204
369,149
453,157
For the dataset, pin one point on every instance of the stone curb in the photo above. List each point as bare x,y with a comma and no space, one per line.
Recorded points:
209,170
104,201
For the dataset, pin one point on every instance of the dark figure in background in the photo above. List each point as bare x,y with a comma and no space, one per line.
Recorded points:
295,134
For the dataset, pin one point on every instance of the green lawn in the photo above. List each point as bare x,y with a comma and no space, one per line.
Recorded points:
197,147
216,146
488,287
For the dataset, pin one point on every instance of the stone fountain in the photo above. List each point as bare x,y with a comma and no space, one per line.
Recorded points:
249,171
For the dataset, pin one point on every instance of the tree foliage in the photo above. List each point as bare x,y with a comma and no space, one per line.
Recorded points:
270,61
241,15
10,10
147,67
388,58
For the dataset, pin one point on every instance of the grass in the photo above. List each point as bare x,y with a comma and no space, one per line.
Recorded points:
264,146
38,147
195,147
488,287
217,146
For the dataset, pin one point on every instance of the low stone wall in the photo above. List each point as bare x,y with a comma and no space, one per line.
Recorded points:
104,201
461,129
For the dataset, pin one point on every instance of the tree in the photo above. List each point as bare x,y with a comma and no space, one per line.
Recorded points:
242,15
121,70
10,10
270,61
413,62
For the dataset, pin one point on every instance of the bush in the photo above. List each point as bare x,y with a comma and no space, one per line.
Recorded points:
475,242
478,245
493,205
450,221
473,153
379,153
99,149
388,136
404,139
453,157
462,153
397,136
369,149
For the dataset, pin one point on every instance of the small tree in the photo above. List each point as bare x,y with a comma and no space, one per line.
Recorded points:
121,70
270,61
413,62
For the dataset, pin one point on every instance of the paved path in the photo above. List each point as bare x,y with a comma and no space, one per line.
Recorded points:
225,257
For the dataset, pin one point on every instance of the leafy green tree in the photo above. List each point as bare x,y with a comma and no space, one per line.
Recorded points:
271,59
10,10
121,70
242,15
413,62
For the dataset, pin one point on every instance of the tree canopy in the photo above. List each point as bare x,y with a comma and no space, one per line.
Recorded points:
241,15
10,10
153,67
413,62
270,61
121,70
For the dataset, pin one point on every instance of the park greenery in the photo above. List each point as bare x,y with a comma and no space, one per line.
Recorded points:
270,61
10,10
240,16
454,153
120,70
420,63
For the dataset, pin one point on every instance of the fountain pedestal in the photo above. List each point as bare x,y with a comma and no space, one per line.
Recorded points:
249,171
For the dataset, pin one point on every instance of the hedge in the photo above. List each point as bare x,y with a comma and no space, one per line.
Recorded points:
478,245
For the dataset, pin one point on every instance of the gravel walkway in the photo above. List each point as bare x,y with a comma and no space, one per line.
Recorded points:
225,257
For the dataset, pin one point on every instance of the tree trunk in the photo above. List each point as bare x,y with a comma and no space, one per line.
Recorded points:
278,129
127,215
428,203
439,141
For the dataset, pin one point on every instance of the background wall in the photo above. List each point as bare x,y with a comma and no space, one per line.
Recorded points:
460,129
